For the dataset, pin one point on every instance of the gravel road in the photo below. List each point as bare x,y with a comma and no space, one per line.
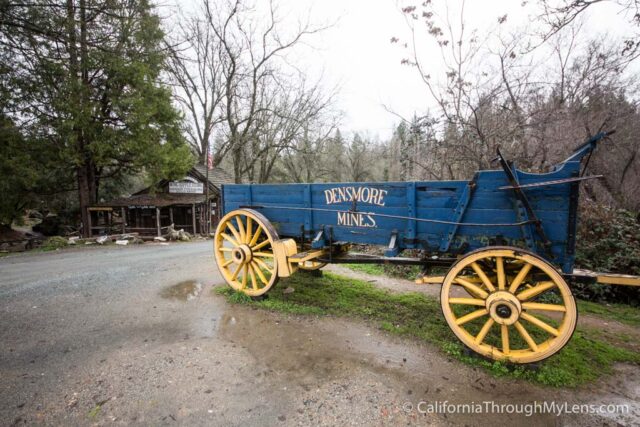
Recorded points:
135,336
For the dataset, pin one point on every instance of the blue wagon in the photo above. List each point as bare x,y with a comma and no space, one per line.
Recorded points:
506,236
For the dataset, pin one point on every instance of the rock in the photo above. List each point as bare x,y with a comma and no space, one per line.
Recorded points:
18,247
159,239
102,239
35,215
172,234
73,240
50,226
122,242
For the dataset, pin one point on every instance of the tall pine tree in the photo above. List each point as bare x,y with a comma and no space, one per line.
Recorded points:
87,82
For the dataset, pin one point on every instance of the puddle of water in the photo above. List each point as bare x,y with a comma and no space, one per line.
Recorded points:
183,291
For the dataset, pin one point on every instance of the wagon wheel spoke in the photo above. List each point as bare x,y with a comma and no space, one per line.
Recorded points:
243,234
259,272
263,254
235,233
244,276
235,273
467,301
519,278
500,273
539,323
504,332
543,307
262,265
229,239
249,230
471,316
481,274
260,245
254,284
255,237
536,290
473,289
523,332
484,331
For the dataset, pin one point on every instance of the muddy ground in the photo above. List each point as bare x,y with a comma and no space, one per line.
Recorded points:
134,335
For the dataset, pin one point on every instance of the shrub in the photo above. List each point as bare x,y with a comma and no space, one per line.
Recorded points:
608,240
53,243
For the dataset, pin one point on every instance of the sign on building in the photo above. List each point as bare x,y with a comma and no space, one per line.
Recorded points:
189,187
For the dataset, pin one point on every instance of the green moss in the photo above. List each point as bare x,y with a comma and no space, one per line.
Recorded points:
418,316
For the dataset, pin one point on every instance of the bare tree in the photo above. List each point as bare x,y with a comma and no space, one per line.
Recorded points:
196,70
252,59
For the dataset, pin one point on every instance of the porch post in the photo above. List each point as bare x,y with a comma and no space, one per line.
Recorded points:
89,231
171,214
124,220
193,217
158,220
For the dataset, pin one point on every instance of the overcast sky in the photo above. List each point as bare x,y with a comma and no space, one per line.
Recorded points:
355,53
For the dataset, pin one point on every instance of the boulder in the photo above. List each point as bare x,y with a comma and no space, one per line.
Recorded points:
50,225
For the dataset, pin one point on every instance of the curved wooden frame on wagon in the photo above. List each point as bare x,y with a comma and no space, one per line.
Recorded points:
506,236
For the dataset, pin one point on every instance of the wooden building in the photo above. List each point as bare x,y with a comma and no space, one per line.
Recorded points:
152,210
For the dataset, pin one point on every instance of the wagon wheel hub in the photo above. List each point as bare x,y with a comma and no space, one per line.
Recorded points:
504,307
242,254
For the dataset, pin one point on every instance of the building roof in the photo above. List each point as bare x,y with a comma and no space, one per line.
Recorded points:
217,176
158,199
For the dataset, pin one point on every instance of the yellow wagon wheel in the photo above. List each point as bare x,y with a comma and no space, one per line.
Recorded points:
508,304
243,247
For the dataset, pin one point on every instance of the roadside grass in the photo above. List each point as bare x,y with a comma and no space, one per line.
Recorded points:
622,313
373,269
54,243
418,316
408,272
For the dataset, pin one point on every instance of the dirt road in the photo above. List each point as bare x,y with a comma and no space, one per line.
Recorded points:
134,335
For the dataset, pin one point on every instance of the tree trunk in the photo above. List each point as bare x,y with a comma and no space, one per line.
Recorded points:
84,198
